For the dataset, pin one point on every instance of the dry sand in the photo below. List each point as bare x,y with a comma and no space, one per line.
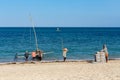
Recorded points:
61,71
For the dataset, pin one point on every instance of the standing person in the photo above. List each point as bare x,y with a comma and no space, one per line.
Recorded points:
106,52
65,50
16,57
26,55
33,55
39,54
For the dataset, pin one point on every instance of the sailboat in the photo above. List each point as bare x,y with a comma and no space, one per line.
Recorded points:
36,41
57,29
38,51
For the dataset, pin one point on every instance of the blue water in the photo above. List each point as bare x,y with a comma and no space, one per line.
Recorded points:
82,43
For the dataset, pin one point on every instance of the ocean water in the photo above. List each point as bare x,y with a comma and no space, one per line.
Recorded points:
82,43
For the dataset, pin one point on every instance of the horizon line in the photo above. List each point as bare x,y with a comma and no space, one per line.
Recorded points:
63,26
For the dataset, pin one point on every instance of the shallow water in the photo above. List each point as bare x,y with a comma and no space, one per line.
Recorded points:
82,43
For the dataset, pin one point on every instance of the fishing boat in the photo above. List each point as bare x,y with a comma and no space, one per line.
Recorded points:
58,29
38,51
35,36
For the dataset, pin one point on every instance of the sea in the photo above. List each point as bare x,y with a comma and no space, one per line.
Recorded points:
82,42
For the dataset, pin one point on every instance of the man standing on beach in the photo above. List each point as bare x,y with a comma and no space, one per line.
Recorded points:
106,52
65,50
16,57
26,55
39,54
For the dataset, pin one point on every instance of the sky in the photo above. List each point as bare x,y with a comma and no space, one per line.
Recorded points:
60,13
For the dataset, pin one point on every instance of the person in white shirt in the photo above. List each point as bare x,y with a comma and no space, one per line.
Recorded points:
65,50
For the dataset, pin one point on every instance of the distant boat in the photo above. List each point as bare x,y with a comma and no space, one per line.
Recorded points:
57,29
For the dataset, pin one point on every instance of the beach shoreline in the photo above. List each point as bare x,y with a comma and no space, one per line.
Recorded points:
76,70
56,61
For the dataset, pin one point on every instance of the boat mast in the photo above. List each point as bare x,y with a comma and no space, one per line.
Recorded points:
62,43
34,33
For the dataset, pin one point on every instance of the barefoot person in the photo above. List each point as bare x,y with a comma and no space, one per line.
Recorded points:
39,54
16,57
33,55
106,52
26,55
65,50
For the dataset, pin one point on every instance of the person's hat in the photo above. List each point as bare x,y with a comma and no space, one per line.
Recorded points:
65,49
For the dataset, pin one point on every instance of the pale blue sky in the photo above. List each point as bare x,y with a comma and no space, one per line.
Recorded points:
60,13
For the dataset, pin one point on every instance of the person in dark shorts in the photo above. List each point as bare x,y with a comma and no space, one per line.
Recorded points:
39,54
16,57
65,50
26,55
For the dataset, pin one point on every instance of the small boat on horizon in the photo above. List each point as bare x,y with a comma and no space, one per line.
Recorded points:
58,29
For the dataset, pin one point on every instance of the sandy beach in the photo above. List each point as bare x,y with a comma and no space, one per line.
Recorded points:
61,71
